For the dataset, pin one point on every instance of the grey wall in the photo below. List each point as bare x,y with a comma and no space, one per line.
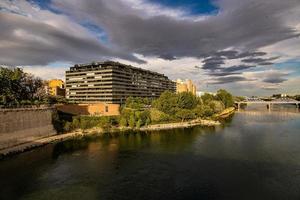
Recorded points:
23,125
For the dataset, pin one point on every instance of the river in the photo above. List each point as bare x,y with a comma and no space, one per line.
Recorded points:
254,155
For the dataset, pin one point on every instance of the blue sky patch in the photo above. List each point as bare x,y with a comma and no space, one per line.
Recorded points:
195,7
97,31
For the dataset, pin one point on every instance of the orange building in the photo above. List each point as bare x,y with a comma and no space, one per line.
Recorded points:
56,87
185,86
98,109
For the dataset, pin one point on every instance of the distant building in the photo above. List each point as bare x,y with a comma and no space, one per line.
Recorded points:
55,87
279,95
185,86
112,82
201,93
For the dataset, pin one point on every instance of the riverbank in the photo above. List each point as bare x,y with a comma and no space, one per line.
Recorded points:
99,131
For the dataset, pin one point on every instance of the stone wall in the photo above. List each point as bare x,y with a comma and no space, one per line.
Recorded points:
19,126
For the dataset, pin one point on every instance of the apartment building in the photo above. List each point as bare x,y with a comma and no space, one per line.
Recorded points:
185,86
113,82
55,87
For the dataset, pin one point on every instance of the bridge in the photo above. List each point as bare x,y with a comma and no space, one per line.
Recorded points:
269,103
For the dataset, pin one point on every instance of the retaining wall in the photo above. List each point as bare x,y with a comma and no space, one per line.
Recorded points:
18,126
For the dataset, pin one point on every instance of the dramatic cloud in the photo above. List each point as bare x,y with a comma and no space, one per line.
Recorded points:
228,79
248,25
37,37
239,38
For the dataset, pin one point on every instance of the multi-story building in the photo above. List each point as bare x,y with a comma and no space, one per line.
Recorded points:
185,86
113,82
55,87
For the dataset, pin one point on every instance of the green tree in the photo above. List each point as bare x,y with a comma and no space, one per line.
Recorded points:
16,85
185,114
186,100
225,97
167,103
206,98
297,97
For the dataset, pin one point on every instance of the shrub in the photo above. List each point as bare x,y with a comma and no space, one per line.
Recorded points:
75,123
68,126
123,122
139,123
185,114
132,120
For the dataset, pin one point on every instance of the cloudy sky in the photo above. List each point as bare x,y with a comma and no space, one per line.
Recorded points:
250,47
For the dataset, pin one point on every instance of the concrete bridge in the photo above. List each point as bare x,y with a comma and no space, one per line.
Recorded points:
269,103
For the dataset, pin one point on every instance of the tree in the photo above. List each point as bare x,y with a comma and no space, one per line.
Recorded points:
185,114
186,100
206,98
16,85
225,97
297,97
167,103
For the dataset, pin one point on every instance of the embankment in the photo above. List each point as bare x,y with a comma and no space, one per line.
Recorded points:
19,126
42,137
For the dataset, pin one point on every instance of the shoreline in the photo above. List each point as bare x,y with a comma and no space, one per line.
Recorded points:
99,131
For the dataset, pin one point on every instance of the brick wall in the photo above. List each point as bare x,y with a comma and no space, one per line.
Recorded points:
101,109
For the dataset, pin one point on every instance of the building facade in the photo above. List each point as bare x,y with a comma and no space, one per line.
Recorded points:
113,82
185,86
96,109
55,87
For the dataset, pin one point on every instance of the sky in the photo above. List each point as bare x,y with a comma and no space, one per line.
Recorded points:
249,47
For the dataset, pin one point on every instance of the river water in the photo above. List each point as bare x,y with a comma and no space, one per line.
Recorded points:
254,155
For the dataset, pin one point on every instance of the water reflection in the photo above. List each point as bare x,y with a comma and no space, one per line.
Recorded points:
253,155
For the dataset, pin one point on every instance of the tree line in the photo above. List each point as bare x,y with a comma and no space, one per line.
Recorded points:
20,88
169,107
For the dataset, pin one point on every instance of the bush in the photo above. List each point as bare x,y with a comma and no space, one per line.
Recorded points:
132,120
139,123
123,122
158,116
75,123
68,126
84,124
185,114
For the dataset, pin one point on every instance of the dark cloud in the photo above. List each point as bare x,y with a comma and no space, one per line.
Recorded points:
274,80
229,71
229,79
167,57
213,63
266,63
223,73
244,25
232,54
29,42
237,68
241,26
260,61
